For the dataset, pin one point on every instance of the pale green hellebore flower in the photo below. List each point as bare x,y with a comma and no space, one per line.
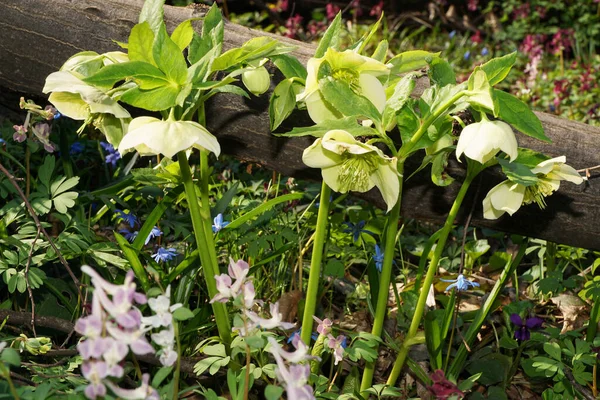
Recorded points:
509,196
349,165
358,71
77,100
151,136
481,141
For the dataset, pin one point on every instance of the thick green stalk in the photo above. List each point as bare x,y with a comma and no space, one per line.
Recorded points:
420,308
386,275
315,264
206,249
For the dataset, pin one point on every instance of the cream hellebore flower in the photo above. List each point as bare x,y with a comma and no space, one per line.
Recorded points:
358,71
509,196
77,100
347,164
481,141
150,135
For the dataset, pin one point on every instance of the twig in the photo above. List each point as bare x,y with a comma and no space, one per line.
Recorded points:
29,257
21,378
25,318
581,389
13,182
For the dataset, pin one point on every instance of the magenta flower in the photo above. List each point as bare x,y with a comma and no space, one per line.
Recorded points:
331,10
523,327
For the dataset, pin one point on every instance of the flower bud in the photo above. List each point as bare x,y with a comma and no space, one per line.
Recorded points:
257,80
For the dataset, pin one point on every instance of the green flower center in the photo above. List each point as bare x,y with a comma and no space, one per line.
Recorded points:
349,76
356,170
537,193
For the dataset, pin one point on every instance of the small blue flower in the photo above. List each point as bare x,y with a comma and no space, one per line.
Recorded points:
218,223
164,255
129,218
57,115
2,141
452,34
76,148
112,155
154,233
485,51
378,258
460,283
467,55
129,236
357,229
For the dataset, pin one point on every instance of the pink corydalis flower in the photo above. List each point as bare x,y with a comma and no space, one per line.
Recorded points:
234,284
274,322
337,345
324,326
294,377
20,134
331,10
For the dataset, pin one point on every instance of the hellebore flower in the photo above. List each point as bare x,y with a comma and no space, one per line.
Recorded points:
460,283
523,327
356,229
481,141
256,79
442,388
359,72
164,255
151,136
349,165
509,196
218,223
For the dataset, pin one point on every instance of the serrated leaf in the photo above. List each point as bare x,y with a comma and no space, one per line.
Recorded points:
183,34
153,13
411,61
519,115
157,99
331,37
498,68
289,66
342,98
518,173
141,39
144,74
282,103
168,57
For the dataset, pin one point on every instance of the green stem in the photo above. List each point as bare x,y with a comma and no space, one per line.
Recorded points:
5,372
206,249
178,363
431,272
384,280
315,264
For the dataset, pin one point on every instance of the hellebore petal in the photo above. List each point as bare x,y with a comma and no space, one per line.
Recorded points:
481,141
167,137
504,197
349,165
556,169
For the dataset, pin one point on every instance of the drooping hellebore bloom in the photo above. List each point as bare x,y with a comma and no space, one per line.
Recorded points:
358,71
481,141
349,165
151,136
523,327
509,196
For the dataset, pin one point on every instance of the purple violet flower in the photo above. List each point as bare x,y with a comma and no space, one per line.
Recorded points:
523,327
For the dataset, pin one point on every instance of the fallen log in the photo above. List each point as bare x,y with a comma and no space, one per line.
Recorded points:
37,36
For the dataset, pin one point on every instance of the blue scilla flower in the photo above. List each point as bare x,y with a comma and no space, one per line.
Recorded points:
112,155
485,51
467,55
357,229
296,335
129,236
164,255
57,115
129,218
452,34
2,141
378,258
460,283
76,148
218,223
154,233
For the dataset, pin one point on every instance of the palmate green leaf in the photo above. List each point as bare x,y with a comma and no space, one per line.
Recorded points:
289,66
146,75
411,61
64,201
518,173
211,37
184,33
282,103
498,68
347,124
519,115
331,37
342,98
63,184
168,57
160,98
46,170
153,13
141,39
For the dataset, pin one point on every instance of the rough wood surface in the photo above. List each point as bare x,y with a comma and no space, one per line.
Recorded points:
37,36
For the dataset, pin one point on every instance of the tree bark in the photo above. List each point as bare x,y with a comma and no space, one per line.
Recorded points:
37,36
